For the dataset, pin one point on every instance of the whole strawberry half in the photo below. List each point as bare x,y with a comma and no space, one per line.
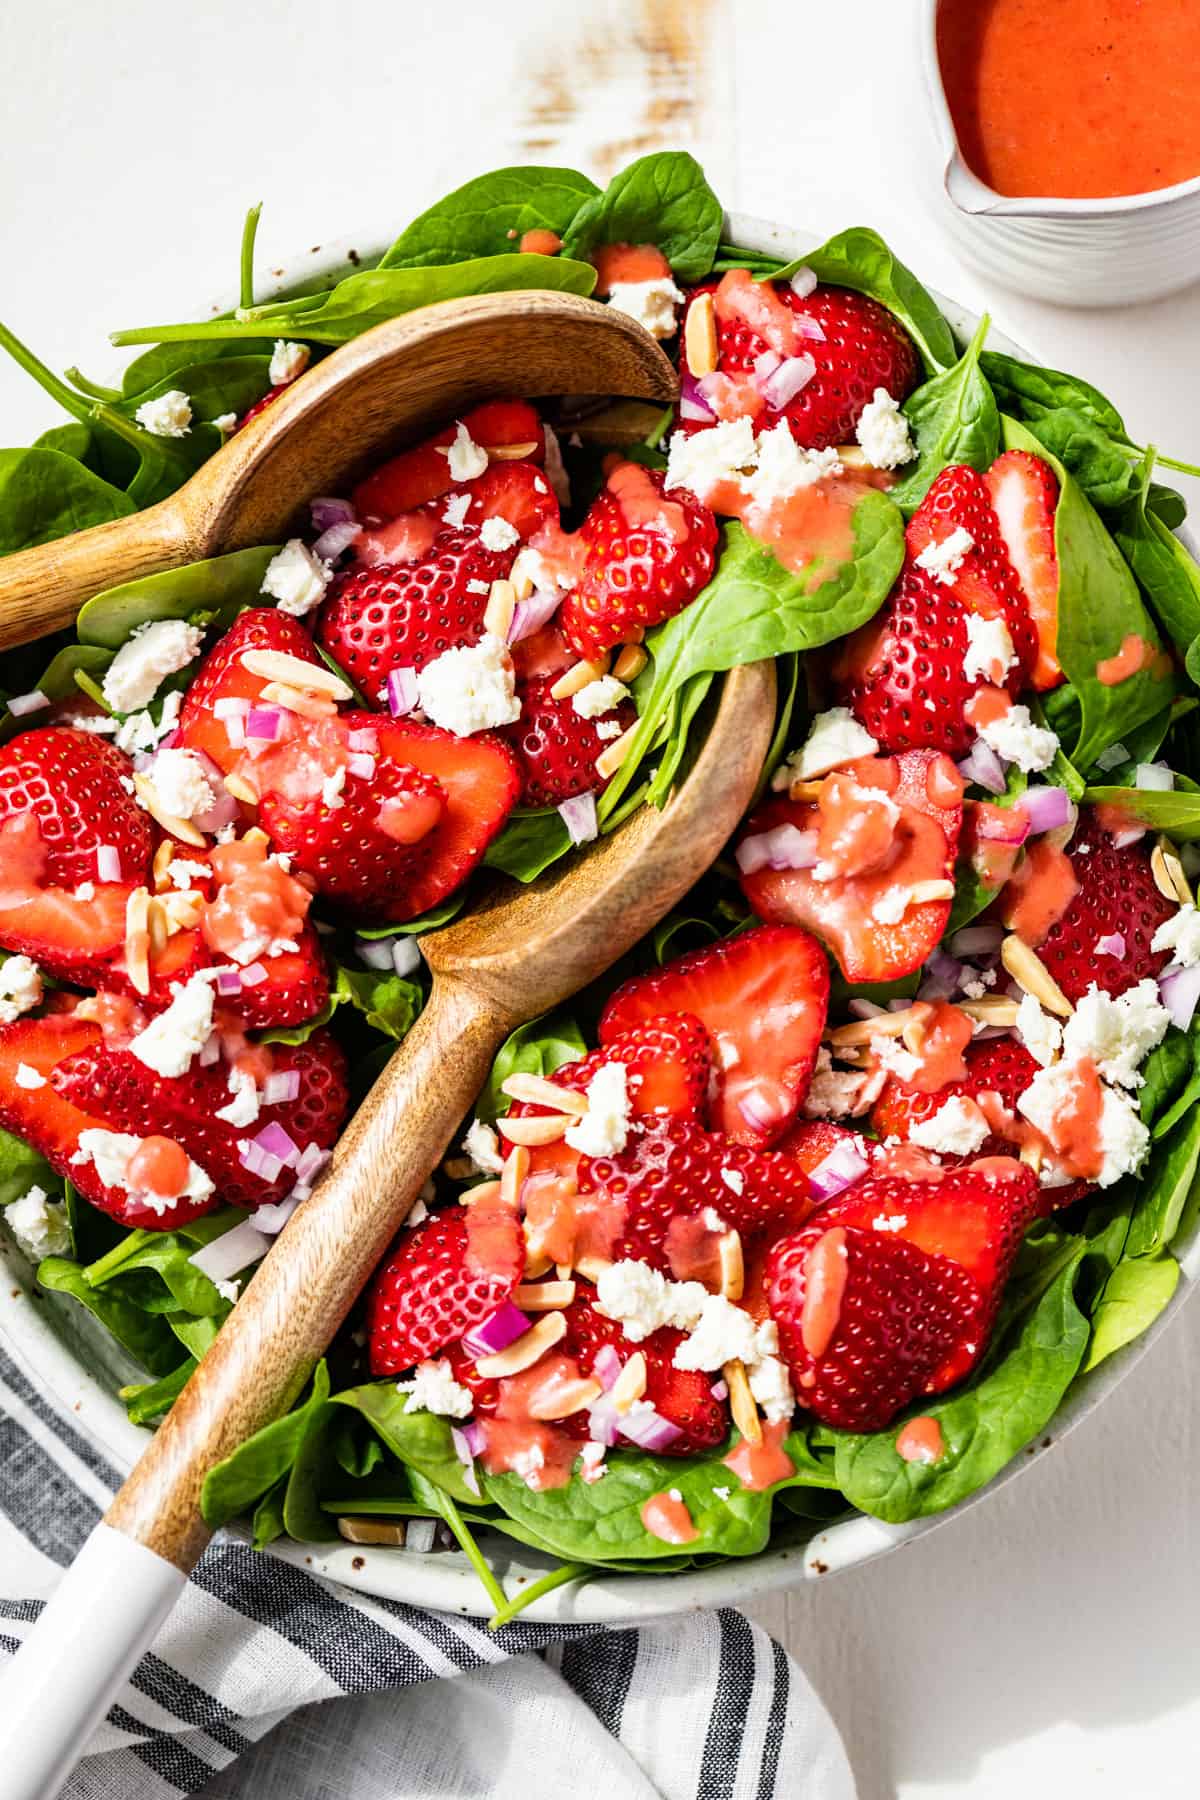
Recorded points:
116,1084
986,581
648,553
1116,894
42,1116
1024,494
860,347
556,747
421,474
762,996
404,614
293,986
72,783
430,1291
223,676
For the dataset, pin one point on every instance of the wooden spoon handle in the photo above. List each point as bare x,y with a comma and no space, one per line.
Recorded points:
42,589
283,1323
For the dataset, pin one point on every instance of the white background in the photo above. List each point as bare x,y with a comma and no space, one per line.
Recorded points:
1047,1643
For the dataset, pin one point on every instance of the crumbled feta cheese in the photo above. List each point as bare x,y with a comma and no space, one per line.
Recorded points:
591,1462
957,1128
170,415
1118,1034
1039,1031
39,1225
782,467
20,987
1179,934
834,738
287,361
976,982
141,731
883,432
157,649
832,1093
702,460
734,1180
651,303
497,534
771,1387
86,890
1016,739
418,1212
111,1153
1124,1140
181,783
642,1301
891,1055
892,904
467,458
943,558
471,689
331,789
246,1104
599,697
473,587
226,423
990,654
181,872
169,1042
481,1147
722,1493
604,1128
455,515
433,1389
405,955
296,579
29,1077
229,1290
608,729
722,1333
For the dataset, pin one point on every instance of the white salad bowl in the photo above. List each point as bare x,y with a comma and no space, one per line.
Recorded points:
1101,252
67,1354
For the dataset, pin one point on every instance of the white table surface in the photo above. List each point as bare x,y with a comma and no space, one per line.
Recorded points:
1047,1643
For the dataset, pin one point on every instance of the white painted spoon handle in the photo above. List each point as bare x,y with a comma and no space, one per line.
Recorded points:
104,1614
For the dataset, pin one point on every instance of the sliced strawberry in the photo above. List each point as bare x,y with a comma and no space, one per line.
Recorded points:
431,1290
517,492
542,656
762,996
1000,1066
223,676
1024,495
985,581
77,787
649,553
810,1141
260,406
404,614
1116,894
857,346
64,934
557,747
40,1115
423,473
684,1396
121,1087
294,987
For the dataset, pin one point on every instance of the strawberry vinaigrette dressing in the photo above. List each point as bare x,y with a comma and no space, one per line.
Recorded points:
492,1237
627,264
516,1439
693,1247
256,898
921,1441
540,242
937,1037
1039,891
158,1166
760,1466
667,1518
1136,653
825,1269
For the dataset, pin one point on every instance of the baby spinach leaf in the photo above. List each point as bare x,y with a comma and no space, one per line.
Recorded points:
97,448
149,1402
213,385
860,259
1132,1298
160,368
60,680
1104,469
528,844
267,1523
146,1336
489,216
983,1425
420,1439
387,1002
245,1476
1165,571
370,296
1164,1073
45,495
1166,504
303,1517
1037,391
1098,609
954,419
1175,812
428,921
1163,1188
660,199
538,1048
214,591
22,1167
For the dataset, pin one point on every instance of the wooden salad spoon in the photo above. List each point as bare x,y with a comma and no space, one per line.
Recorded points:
517,953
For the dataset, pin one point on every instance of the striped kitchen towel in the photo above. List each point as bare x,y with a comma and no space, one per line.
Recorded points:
704,1705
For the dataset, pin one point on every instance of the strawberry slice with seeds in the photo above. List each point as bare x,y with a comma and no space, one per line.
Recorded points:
62,933
557,747
74,784
516,492
421,474
1116,894
223,676
433,1289
810,1141
1024,494
683,1396
42,1116
985,581
762,997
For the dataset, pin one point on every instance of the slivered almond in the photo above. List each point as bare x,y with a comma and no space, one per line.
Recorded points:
524,1351
700,337
539,1092
741,1401
851,457
610,760
1030,972
516,1171
733,1267
498,614
183,829
566,1398
806,790
164,856
508,452
156,925
1031,1154
913,1035
534,1131
630,1384
483,1190
1168,874
630,662
536,1263
372,1531
294,699
993,1009
522,573
923,891
241,790
543,1296
577,677
256,835
137,940
592,1267
310,678
861,1031
563,1271
182,910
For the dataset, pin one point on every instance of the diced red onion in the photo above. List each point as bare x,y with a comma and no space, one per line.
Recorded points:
1111,944
692,403
276,1142
1179,990
766,364
809,328
366,739
945,973
231,706
401,691
257,1161
170,741
375,952
405,955
864,1009
420,1535
531,614
263,722
273,1215
647,1429
312,1160
982,766
475,1437
108,863
578,814
1132,834
229,981
602,1422
462,1450
844,1165
1046,808
235,730
720,1390
497,1331
253,974
789,379
334,539
278,1088
606,1365
362,765
21,704
976,940
327,510
786,847
802,282
1154,778
232,1251
210,1050
758,1113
